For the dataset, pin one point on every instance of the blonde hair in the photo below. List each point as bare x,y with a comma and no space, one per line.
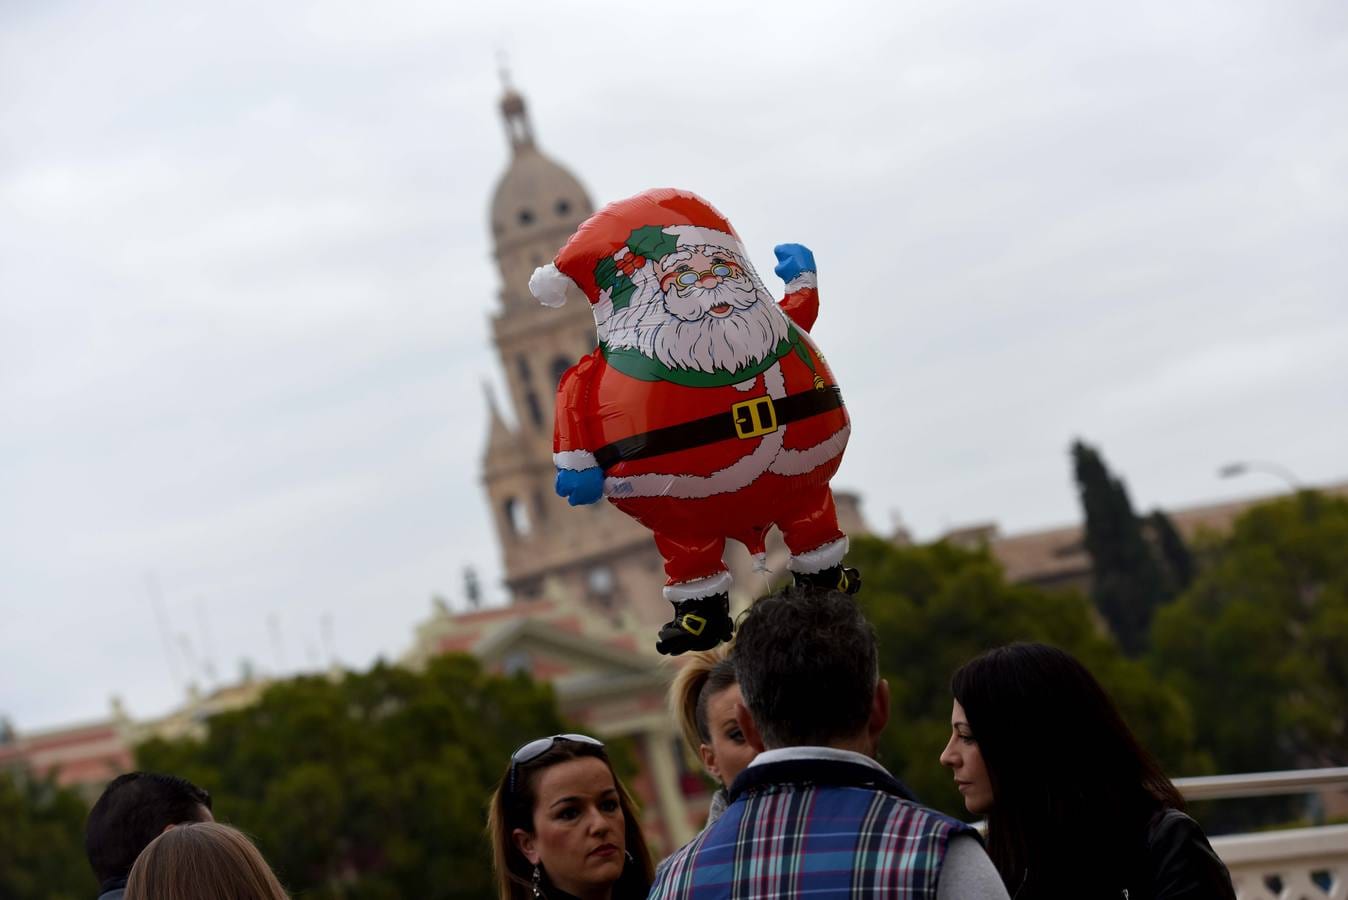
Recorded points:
705,674
512,807
202,861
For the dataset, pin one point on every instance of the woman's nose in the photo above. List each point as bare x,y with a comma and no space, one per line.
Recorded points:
599,822
948,755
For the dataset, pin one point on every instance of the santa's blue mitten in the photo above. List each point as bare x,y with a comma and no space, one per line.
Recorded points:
792,260
580,487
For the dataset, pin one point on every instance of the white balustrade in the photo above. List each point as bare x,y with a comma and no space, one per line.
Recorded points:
1291,864
1296,864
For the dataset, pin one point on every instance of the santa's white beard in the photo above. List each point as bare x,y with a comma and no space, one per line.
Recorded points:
748,334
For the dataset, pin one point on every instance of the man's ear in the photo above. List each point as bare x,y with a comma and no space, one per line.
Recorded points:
879,711
524,841
748,728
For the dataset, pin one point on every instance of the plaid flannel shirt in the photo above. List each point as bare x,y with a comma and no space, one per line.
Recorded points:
816,829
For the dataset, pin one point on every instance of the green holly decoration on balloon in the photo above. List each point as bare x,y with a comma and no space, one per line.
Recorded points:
615,276
610,278
652,242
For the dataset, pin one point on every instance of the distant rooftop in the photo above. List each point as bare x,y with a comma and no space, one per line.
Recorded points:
1058,555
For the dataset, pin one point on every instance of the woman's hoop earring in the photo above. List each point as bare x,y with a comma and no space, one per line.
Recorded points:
538,877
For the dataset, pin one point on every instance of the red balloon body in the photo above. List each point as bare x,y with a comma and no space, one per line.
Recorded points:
709,409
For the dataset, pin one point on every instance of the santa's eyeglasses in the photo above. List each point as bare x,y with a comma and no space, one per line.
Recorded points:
689,278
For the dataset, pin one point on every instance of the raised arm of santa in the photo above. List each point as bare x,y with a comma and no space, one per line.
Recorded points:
795,266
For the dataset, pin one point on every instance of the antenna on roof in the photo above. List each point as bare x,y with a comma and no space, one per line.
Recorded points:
208,670
161,619
472,588
325,630
189,655
274,629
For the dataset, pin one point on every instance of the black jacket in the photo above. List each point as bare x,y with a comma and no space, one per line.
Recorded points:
1170,860
1180,863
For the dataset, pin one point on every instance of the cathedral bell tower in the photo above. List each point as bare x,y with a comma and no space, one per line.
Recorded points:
595,553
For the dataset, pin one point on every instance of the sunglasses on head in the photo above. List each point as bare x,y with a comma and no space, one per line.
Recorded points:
534,749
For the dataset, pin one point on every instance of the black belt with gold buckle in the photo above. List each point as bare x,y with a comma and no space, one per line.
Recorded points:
750,418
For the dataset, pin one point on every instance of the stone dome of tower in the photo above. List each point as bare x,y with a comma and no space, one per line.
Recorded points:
535,197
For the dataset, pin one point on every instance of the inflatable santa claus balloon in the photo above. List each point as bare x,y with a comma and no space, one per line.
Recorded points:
706,412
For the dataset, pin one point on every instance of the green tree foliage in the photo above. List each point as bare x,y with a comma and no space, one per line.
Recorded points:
371,786
1259,643
42,841
1127,584
937,606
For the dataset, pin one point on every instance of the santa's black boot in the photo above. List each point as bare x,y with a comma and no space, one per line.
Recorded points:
698,624
834,578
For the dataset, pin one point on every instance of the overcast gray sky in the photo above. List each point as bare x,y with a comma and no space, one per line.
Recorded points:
245,278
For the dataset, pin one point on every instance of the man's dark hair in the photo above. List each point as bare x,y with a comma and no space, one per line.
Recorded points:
135,809
807,667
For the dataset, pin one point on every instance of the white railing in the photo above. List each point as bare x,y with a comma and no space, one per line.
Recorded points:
1293,864
1261,784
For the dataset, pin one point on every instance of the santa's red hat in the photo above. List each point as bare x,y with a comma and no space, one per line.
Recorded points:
601,257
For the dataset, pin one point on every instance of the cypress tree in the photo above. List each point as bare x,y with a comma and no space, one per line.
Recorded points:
1175,558
1126,582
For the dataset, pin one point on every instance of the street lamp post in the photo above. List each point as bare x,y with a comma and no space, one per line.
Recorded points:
1234,469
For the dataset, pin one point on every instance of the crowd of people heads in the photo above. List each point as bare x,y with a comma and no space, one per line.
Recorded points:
787,724
133,810
154,837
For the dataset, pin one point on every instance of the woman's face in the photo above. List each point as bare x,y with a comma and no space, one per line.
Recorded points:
579,837
728,753
962,756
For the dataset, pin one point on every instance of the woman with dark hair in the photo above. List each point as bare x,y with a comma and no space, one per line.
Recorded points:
562,825
1075,806
703,697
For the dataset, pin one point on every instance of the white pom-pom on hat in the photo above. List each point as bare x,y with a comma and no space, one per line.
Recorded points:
549,285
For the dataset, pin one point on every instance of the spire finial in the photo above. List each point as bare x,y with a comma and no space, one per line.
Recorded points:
518,130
